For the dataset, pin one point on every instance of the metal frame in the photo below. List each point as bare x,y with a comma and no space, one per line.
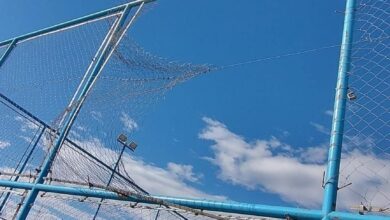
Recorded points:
230,207
104,53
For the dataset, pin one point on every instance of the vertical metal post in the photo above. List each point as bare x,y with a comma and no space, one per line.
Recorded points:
8,51
22,167
109,181
73,114
336,139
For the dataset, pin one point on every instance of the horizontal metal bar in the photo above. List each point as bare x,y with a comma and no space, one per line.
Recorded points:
75,21
69,27
245,208
229,207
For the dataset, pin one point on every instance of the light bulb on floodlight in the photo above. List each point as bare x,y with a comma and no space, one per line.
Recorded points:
124,140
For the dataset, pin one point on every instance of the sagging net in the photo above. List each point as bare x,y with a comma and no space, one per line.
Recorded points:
366,156
38,81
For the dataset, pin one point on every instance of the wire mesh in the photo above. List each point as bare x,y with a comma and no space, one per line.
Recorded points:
41,75
366,156
38,80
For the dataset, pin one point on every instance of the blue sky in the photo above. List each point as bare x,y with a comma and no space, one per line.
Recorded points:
280,107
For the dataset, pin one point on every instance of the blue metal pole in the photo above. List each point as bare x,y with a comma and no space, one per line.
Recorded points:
245,208
70,23
22,167
31,197
109,181
11,46
336,139
229,207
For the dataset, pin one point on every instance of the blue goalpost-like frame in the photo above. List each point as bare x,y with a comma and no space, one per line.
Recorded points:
331,179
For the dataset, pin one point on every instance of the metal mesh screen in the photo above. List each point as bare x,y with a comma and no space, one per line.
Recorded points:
366,156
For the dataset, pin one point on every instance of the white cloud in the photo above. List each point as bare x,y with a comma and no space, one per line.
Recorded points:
27,125
129,123
295,176
316,154
154,179
254,165
320,128
183,172
161,181
329,112
4,144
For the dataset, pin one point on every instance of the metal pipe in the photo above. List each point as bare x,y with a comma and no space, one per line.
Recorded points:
76,21
245,208
229,207
336,139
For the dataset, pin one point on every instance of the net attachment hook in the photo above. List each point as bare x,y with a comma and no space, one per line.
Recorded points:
351,95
